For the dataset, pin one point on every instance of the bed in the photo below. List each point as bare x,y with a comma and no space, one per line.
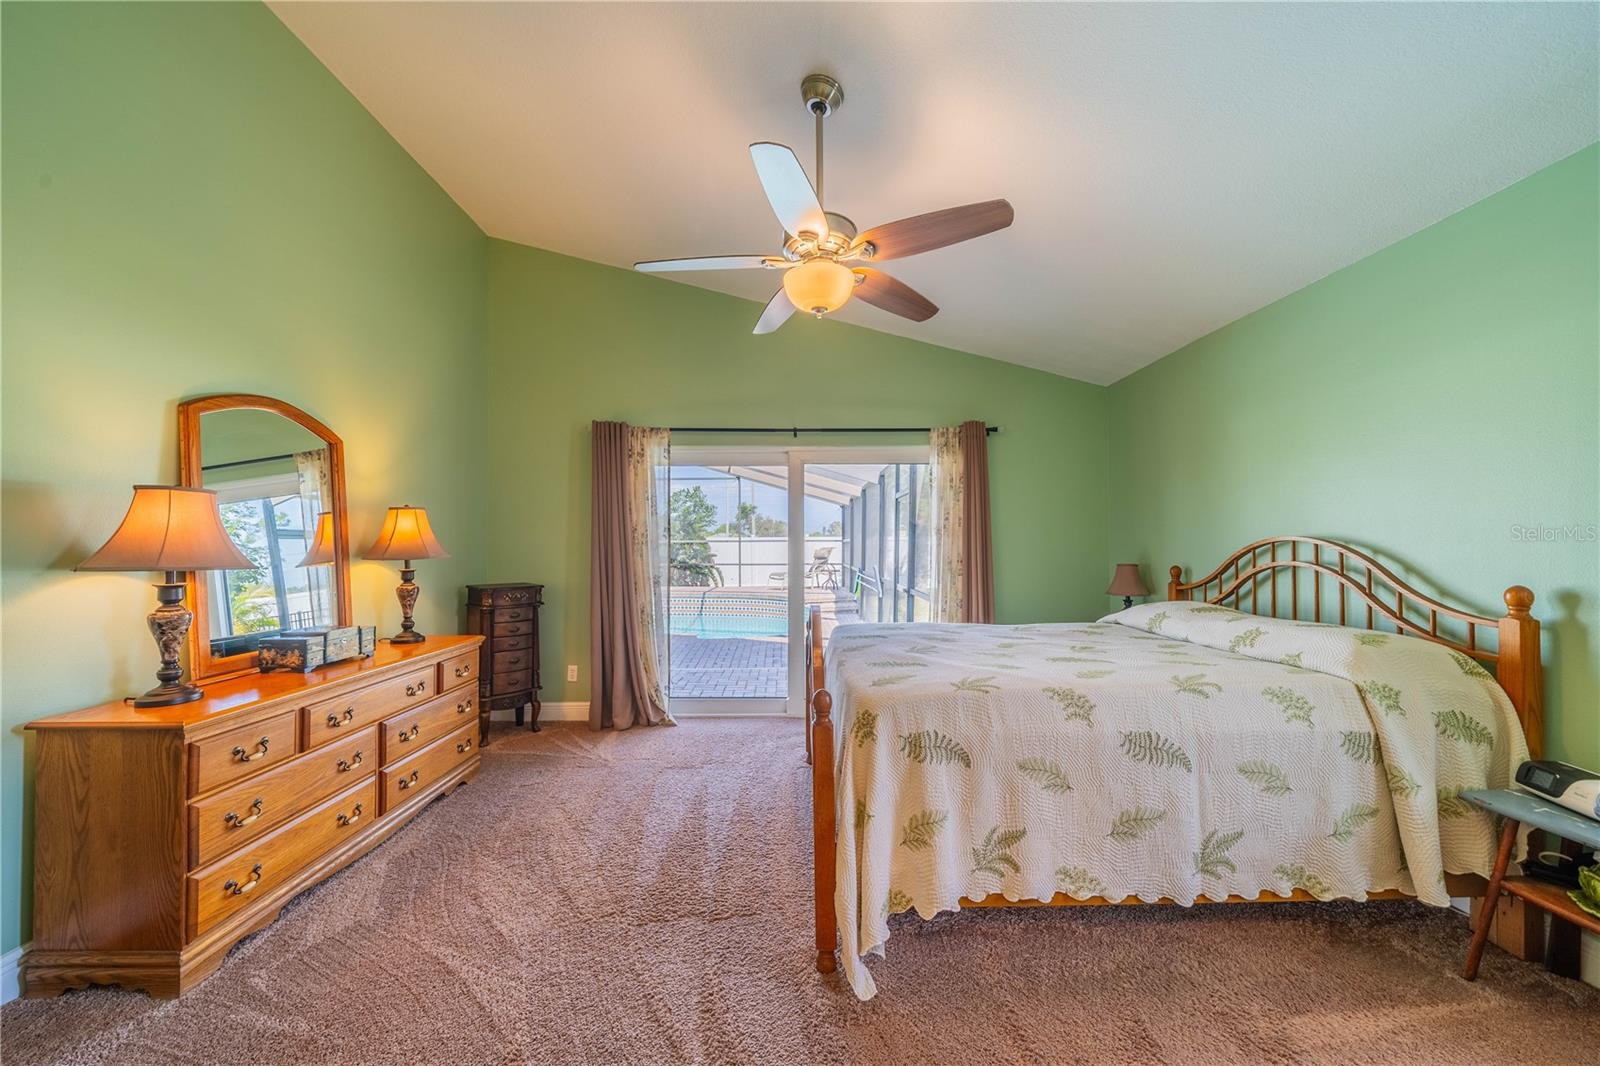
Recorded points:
1296,725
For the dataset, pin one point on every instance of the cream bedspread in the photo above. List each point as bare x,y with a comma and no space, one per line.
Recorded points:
1171,750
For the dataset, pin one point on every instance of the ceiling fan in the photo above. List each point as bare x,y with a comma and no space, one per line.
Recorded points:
823,257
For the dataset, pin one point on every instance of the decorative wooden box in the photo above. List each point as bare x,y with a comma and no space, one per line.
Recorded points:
306,649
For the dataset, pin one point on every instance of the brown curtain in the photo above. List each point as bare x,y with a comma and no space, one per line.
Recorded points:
977,574
625,689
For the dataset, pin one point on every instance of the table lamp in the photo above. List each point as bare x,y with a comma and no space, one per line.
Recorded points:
321,553
1127,583
406,535
176,530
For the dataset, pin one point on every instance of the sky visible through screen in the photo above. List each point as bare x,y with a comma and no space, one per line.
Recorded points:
726,493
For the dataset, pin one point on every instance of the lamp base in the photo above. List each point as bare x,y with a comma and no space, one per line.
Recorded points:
1127,601
407,593
169,624
169,694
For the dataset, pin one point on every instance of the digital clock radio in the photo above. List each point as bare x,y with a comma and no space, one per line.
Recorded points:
1573,788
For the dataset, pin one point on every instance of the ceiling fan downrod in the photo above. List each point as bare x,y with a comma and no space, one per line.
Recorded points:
823,96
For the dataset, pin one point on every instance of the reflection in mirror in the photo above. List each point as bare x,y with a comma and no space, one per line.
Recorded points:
271,476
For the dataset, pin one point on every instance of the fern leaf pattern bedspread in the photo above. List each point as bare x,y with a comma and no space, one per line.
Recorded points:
1169,750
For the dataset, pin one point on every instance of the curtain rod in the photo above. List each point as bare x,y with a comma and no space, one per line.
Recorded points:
249,462
797,430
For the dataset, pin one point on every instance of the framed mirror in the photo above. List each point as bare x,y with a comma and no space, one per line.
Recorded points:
279,478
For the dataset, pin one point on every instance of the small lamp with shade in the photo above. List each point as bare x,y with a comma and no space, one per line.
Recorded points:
321,553
406,535
175,530
1127,583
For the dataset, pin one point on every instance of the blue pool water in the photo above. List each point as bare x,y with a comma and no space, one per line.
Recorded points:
727,619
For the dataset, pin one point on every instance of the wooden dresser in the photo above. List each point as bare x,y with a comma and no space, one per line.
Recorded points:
507,616
163,836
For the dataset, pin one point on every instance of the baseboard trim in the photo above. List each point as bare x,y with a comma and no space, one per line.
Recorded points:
9,987
566,711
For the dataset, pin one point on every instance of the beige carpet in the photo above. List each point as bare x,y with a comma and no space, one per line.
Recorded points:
644,898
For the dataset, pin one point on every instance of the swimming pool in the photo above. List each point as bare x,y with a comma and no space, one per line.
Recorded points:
727,618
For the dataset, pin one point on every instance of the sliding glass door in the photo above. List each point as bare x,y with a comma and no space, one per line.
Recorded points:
759,536
728,583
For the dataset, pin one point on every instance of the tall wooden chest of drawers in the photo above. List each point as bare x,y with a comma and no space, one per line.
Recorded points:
164,835
507,617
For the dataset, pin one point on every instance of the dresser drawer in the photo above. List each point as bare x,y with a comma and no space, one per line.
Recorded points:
239,752
329,720
500,644
513,614
458,671
428,766
416,729
515,681
237,815
224,888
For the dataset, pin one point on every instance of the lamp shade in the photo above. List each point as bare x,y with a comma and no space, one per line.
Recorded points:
406,535
1127,582
321,553
819,286
169,528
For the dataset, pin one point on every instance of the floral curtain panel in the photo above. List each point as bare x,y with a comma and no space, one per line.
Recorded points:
963,587
316,490
949,604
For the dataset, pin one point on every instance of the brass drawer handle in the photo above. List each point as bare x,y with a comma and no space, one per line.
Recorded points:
233,821
465,746
464,669
353,817
464,706
417,689
407,782
261,749
410,734
337,721
346,767
234,888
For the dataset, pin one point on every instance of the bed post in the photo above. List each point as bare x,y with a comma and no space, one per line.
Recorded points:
1519,670
1173,591
811,635
822,828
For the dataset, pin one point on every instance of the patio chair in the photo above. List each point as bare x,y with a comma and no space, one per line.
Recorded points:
822,572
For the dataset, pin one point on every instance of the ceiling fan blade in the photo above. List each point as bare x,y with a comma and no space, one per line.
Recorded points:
923,233
704,262
779,308
896,297
788,189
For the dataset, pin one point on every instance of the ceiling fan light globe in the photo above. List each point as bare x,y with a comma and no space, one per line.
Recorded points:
819,286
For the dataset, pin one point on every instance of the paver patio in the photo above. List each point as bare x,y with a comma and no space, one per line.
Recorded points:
745,667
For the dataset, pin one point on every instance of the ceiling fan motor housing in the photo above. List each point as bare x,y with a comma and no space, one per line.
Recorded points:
821,93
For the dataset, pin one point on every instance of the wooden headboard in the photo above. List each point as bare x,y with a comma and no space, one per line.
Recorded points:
1351,578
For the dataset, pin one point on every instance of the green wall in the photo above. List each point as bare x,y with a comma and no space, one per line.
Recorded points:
572,341
1434,401
193,204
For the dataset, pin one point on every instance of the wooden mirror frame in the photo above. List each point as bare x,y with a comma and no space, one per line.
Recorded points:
202,664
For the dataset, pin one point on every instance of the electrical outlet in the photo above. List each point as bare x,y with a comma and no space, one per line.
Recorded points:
572,673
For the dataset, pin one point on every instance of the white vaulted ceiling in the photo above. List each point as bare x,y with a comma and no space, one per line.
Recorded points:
1173,167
